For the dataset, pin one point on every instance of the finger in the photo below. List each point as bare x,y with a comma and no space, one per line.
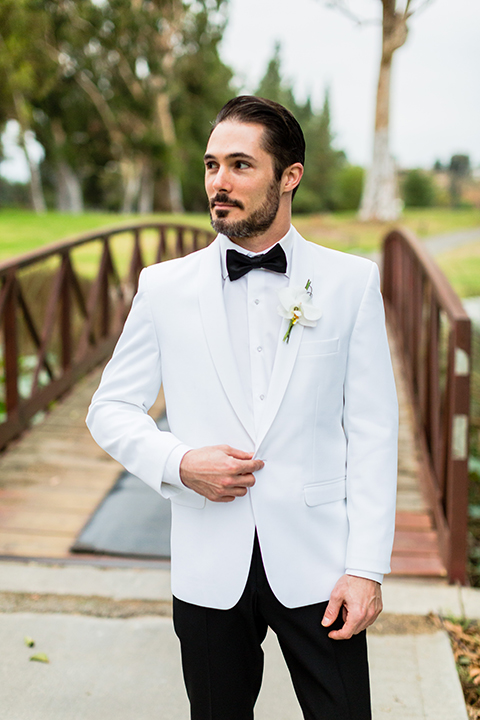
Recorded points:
236,453
331,611
249,466
352,626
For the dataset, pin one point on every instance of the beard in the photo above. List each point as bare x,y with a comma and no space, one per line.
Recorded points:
255,224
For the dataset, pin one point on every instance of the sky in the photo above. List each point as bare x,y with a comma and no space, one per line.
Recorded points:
435,104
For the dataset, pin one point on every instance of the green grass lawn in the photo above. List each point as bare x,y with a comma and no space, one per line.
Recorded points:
22,231
462,267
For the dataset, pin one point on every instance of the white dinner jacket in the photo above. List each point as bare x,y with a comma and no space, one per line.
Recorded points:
325,500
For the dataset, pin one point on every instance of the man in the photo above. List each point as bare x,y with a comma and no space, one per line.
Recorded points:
281,460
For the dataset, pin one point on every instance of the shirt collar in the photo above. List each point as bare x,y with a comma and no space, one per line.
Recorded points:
226,244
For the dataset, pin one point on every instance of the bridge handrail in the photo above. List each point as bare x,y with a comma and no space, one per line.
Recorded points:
81,320
434,333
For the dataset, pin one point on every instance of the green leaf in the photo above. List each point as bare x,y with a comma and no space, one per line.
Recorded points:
40,657
29,642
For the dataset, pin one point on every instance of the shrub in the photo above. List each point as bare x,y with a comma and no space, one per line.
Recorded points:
419,189
348,187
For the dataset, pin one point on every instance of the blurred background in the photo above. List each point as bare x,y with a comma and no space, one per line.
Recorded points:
106,106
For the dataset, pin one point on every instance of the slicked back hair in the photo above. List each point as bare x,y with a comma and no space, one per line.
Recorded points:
282,138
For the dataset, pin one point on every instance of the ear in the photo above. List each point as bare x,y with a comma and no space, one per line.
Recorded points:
291,177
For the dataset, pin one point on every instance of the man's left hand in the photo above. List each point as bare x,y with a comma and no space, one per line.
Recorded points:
360,601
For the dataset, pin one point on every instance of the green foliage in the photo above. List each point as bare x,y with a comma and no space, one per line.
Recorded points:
348,187
323,162
418,189
272,86
13,194
203,85
111,92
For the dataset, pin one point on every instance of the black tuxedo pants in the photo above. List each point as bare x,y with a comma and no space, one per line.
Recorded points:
222,657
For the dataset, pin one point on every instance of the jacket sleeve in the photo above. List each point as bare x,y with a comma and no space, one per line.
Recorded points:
371,429
117,417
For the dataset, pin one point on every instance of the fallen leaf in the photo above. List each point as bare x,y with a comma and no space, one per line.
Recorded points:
29,642
40,657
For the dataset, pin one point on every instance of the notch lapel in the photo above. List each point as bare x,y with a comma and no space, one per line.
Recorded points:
286,354
214,318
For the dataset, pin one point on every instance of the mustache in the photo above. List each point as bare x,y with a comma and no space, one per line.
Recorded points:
224,198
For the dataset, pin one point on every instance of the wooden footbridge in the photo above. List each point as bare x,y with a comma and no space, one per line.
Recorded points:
61,311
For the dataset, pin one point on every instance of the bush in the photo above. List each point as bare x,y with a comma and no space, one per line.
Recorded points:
419,189
348,187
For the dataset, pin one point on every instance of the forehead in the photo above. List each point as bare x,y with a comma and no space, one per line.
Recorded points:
232,137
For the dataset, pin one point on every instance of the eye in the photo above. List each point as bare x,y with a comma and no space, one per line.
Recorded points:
241,165
210,165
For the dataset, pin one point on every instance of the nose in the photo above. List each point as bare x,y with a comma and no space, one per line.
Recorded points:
222,180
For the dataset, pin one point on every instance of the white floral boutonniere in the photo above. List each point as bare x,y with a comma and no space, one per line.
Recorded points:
296,306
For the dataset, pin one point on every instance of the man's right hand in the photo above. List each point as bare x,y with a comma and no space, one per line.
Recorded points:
220,473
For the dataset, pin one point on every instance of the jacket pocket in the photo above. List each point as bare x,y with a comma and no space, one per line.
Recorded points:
318,347
325,492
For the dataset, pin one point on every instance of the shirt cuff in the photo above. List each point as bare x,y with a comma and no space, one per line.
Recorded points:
378,577
171,482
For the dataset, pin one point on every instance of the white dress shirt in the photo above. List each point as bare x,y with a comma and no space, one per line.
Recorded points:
251,305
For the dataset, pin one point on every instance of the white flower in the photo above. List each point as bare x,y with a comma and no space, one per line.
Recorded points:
296,305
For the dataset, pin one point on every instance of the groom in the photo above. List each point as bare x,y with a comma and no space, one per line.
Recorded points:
281,459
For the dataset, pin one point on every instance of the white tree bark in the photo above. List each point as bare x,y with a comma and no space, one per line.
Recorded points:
380,199
68,189
131,177
36,189
147,186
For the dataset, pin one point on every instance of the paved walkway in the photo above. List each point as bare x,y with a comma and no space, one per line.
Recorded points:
114,656
437,244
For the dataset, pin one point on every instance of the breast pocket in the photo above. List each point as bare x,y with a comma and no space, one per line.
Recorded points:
318,347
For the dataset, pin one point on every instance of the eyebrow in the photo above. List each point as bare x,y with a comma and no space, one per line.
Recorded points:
230,156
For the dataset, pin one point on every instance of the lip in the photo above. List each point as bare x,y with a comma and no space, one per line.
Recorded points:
224,206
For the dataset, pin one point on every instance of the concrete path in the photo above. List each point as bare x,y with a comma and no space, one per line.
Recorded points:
121,668
437,244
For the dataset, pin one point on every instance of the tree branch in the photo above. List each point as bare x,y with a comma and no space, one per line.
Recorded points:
343,8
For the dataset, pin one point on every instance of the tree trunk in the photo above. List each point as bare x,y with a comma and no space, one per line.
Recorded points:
165,122
380,199
68,189
36,189
145,200
131,177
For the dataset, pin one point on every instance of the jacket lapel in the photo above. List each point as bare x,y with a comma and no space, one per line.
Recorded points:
286,354
214,318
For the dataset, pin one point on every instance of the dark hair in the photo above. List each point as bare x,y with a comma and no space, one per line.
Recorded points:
283,137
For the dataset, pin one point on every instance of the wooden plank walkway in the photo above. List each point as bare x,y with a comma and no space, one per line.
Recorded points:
54,477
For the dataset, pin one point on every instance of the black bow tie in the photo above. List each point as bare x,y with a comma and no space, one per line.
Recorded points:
239,264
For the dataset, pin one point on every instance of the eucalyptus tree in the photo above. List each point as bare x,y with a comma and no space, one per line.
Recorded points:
380,199
124,55
26,74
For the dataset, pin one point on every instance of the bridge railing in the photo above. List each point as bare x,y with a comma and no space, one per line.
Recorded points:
62,309
434,332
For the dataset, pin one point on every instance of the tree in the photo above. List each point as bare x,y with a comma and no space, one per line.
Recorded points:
418,189
458,170
26,74
124,55
316,191
380,194
203,84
